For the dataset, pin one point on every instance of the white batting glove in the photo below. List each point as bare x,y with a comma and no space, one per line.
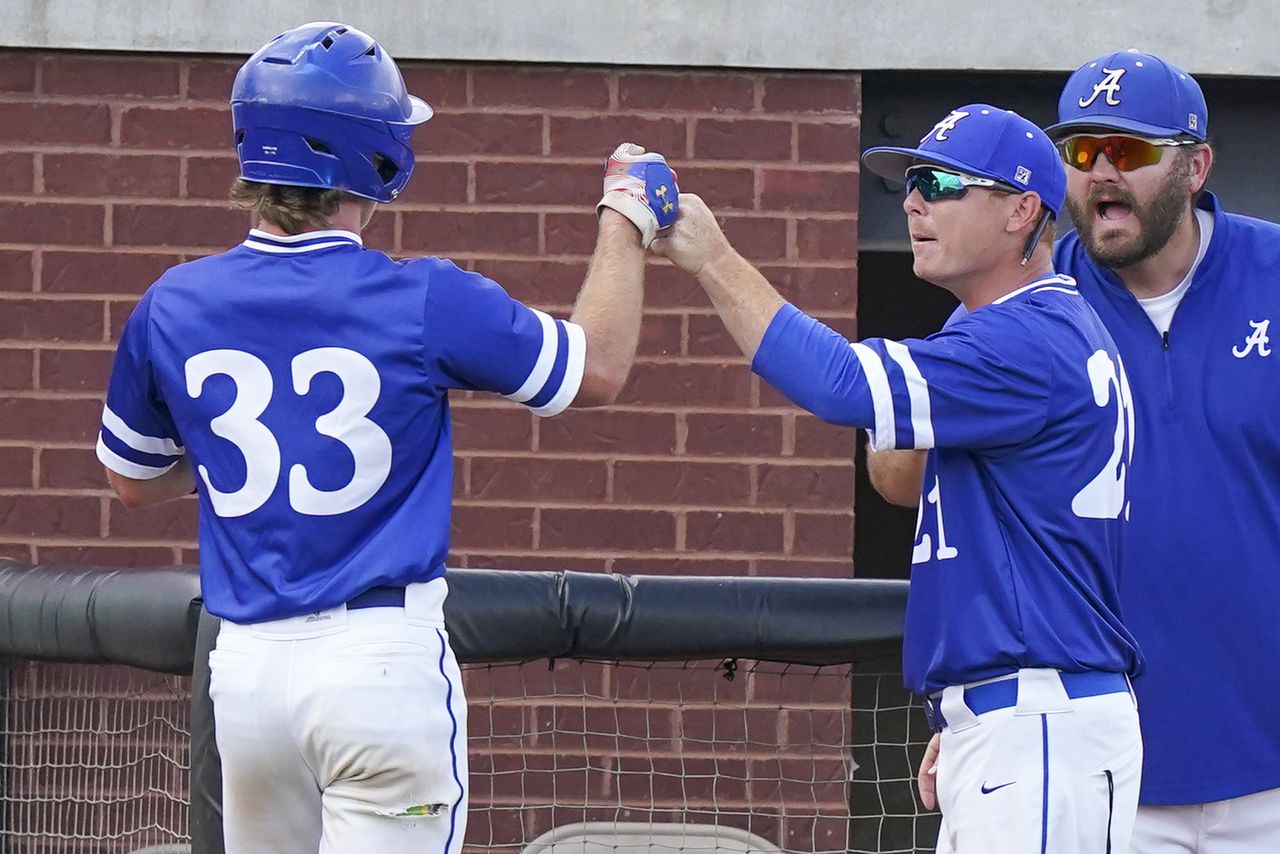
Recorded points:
641,187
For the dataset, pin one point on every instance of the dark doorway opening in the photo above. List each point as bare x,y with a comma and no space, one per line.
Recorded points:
892,303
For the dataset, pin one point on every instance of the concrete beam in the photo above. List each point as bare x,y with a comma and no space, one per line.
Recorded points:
1204,36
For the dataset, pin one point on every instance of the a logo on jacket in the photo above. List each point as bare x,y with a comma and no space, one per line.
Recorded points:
1257,340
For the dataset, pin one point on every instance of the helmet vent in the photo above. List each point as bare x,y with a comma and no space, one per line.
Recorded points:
385,167
339,31
372,51
278,60
318,147
326,42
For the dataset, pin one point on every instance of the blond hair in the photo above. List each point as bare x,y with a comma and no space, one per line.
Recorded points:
291,209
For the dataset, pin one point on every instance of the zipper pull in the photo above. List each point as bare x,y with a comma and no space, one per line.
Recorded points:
1164,339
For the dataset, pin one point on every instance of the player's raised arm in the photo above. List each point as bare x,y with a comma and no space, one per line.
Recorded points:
478,337
640,198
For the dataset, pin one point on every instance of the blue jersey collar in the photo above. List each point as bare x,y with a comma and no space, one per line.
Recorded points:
295,244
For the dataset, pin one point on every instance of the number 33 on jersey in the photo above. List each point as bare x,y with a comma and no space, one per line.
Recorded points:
366,442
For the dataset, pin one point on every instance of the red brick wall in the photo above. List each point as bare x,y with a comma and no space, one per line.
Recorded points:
115,167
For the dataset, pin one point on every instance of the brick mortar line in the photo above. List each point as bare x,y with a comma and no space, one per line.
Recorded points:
202,251
29,394
670,508
692,408
37,270
89,250
408,207
501,109
19,146
461,208
55,492
585,554
698,459
113,541
94,347
694,163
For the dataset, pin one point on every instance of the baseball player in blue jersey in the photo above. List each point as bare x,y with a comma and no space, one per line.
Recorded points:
299,384
1012,633
1188,291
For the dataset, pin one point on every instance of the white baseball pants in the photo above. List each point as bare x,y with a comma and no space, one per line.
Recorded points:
342,732
1051,775
1249,824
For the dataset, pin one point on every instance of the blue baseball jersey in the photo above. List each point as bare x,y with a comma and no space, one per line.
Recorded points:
1201,581
1023,407
307,379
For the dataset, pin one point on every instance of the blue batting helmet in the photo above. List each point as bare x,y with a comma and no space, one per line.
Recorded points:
323,105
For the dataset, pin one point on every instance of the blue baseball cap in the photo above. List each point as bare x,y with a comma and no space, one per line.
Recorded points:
985,142
1133,92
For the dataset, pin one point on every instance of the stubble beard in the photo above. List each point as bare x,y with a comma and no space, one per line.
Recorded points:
1157,220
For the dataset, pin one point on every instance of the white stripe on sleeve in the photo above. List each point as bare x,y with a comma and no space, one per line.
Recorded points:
885,436
143,444
917,393
575,365
546,361
120,465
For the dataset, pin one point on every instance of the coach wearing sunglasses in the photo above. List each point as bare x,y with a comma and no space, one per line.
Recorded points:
1188,291
1012,630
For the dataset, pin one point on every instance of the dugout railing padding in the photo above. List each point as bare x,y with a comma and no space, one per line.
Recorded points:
148,618
152,618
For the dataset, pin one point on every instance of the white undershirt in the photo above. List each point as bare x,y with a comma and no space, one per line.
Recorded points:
1160,309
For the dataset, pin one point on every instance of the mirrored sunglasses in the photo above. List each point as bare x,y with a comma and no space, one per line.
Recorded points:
936,184
1126,153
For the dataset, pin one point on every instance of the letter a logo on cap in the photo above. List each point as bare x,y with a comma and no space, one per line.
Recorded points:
1110,84
940,130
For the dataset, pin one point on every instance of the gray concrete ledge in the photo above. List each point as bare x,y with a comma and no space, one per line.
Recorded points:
1204,36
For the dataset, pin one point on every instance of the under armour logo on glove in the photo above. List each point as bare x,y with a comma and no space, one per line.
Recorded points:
641,187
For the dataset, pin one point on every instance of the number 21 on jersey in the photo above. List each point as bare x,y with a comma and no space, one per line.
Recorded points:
1103,497
923,550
